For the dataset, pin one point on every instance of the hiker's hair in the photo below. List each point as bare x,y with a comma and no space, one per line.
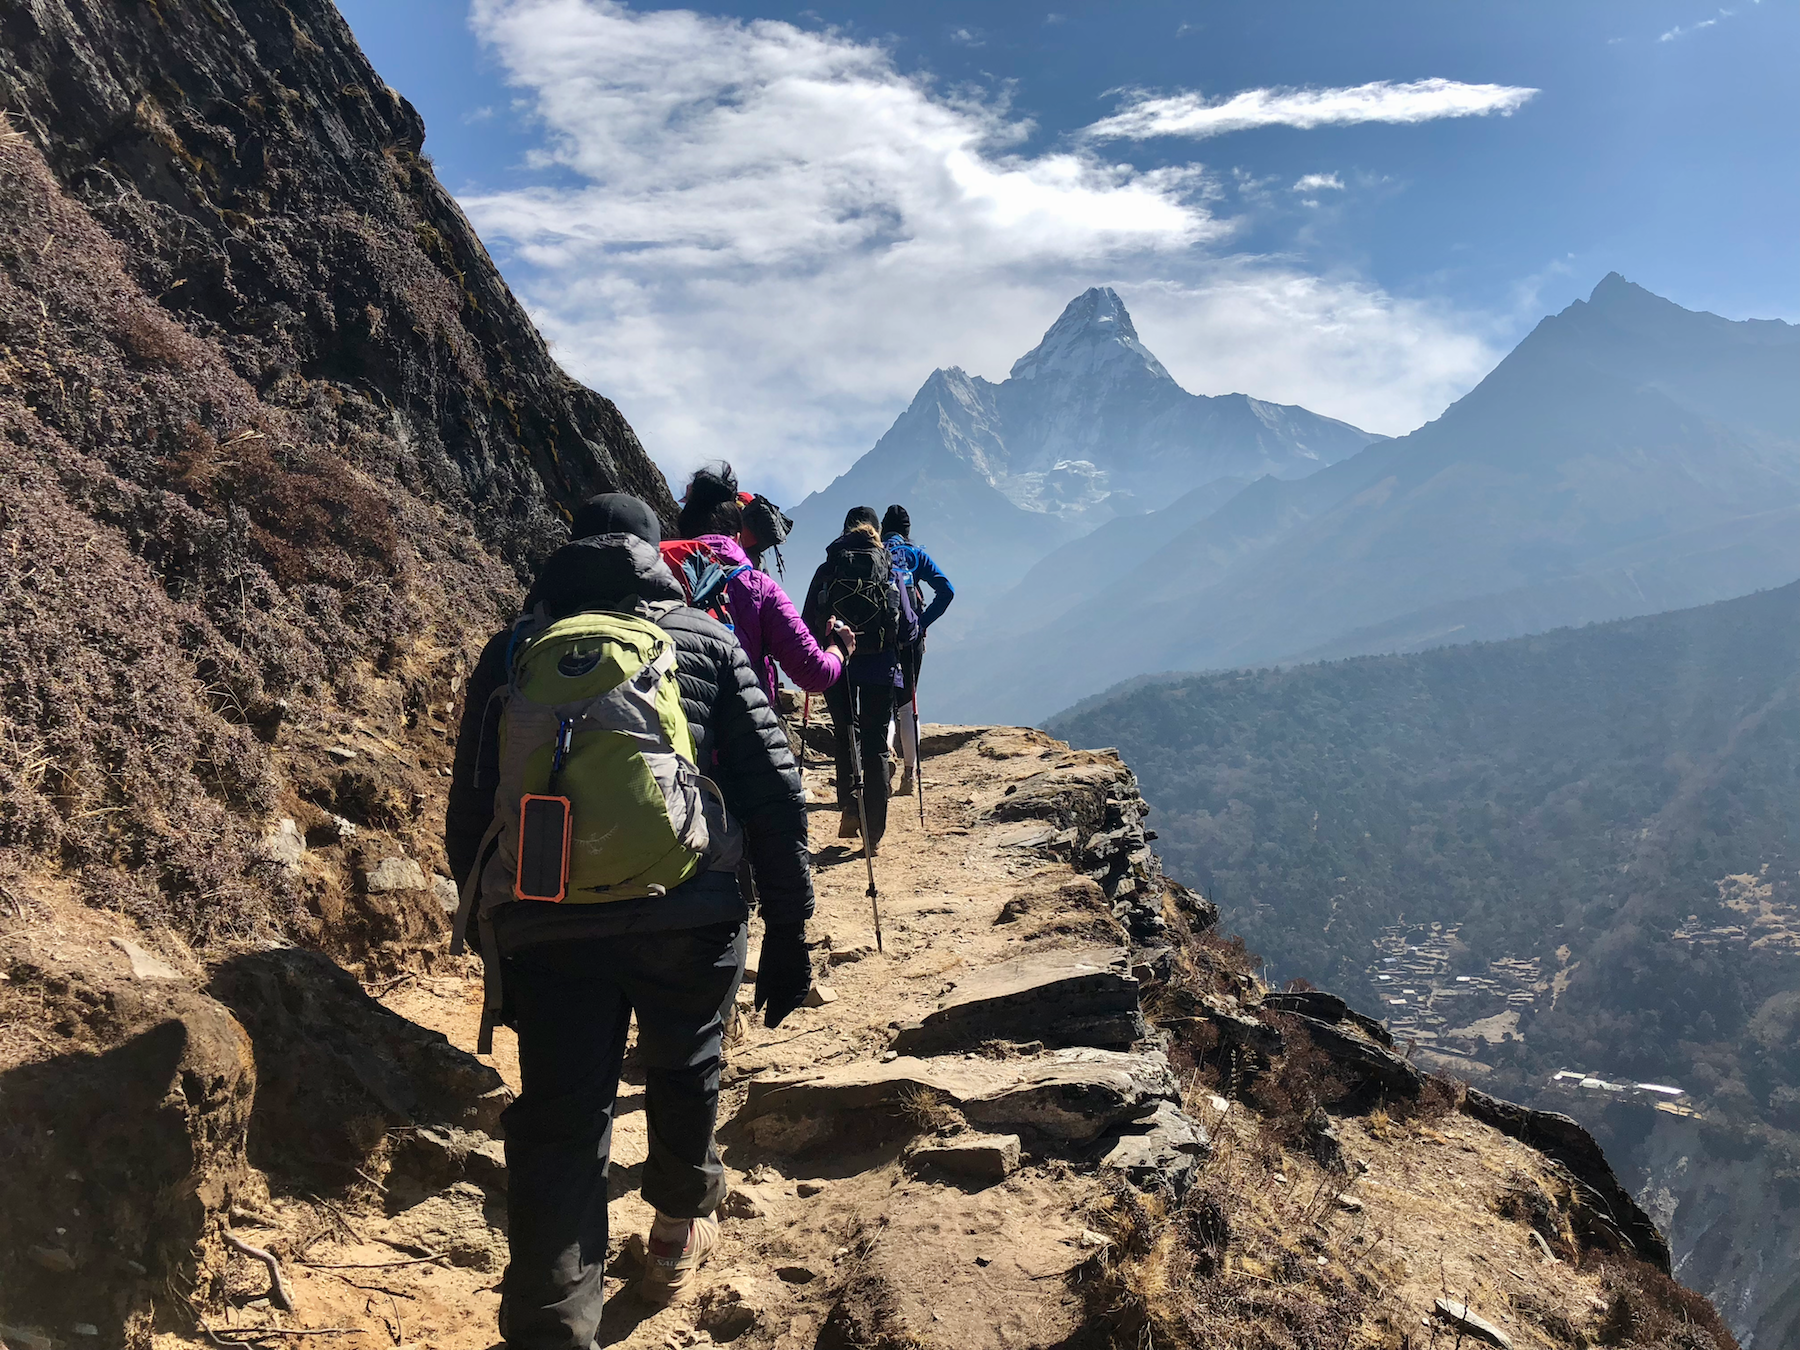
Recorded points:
896,521
711,504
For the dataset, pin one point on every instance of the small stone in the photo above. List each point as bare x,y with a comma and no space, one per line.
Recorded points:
1280,1180
745,1202
396,874
144,966
25,1338
889,1056
987,1158
1089,1238
89,1329
53,1259
345,829
1218,1103
1350,1204
1362,1165
849,955
984,1260
343,754
284,846
730,1309
819,995
807,1189
448,897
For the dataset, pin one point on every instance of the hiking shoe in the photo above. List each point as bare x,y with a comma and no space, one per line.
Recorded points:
849,826
906,786
673,1255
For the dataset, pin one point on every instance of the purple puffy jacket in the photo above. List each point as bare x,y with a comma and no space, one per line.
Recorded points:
769,628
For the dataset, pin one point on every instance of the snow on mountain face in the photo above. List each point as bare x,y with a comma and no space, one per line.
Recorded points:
1094,335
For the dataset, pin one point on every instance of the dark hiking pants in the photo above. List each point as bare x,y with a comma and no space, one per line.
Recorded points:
571,1004
874,710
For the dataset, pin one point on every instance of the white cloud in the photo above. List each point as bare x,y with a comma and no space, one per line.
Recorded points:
1679,32
1318,182
759,240
1143,115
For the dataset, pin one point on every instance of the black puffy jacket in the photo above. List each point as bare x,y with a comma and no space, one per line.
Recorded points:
738,740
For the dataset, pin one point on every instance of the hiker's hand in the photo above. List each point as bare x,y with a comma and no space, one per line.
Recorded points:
843,637
783,971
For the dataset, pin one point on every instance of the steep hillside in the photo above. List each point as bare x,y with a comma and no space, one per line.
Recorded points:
1627,457
1569,851
1087,427
278,447
279,443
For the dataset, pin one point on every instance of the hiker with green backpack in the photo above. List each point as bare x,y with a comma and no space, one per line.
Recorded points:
617,760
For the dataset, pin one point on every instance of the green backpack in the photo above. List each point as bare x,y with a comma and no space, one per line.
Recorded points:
598,798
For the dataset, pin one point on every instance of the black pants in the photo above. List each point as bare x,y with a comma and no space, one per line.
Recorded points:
571,1004
874,710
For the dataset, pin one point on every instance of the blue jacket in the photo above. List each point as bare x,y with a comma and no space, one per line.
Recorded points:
916,566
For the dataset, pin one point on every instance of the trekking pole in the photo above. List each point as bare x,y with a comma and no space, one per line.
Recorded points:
918,755
805,717
862,807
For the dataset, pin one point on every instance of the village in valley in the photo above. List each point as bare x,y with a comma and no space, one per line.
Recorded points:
1449,1020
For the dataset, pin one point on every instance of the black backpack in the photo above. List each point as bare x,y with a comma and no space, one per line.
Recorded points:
768,525
861,592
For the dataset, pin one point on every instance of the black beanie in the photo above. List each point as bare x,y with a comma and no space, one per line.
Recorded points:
616,513
896,521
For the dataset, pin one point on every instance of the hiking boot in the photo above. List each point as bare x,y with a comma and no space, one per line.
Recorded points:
849,826
674,1254
906,785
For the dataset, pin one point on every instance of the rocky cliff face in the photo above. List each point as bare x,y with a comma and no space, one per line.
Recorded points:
267,190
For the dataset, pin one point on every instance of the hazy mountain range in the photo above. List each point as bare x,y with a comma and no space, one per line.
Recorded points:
1087,427
1628,456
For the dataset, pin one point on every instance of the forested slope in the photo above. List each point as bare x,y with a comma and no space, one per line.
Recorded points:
1619,804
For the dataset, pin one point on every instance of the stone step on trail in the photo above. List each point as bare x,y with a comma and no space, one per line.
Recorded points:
1065,997
1072,1097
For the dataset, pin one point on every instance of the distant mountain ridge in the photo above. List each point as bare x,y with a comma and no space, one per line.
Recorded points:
1628,456
1088,426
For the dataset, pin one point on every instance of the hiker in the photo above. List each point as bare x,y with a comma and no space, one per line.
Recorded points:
914,567
855,586
526,795
714,523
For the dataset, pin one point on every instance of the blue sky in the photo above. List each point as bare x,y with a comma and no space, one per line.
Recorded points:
758,227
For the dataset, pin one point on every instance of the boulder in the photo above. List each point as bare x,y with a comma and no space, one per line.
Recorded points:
1067,1096
983,1158
1161,1152
1070,996
1366,1064
336,1070
122,1128
1316,1003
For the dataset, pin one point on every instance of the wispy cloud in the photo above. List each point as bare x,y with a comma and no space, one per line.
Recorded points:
1679,32
759,240
1143,115
968,37
1318,182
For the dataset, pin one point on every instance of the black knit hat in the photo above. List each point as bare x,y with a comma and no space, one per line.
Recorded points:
616,513
896,521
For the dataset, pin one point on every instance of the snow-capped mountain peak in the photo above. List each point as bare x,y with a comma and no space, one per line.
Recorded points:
1095,330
